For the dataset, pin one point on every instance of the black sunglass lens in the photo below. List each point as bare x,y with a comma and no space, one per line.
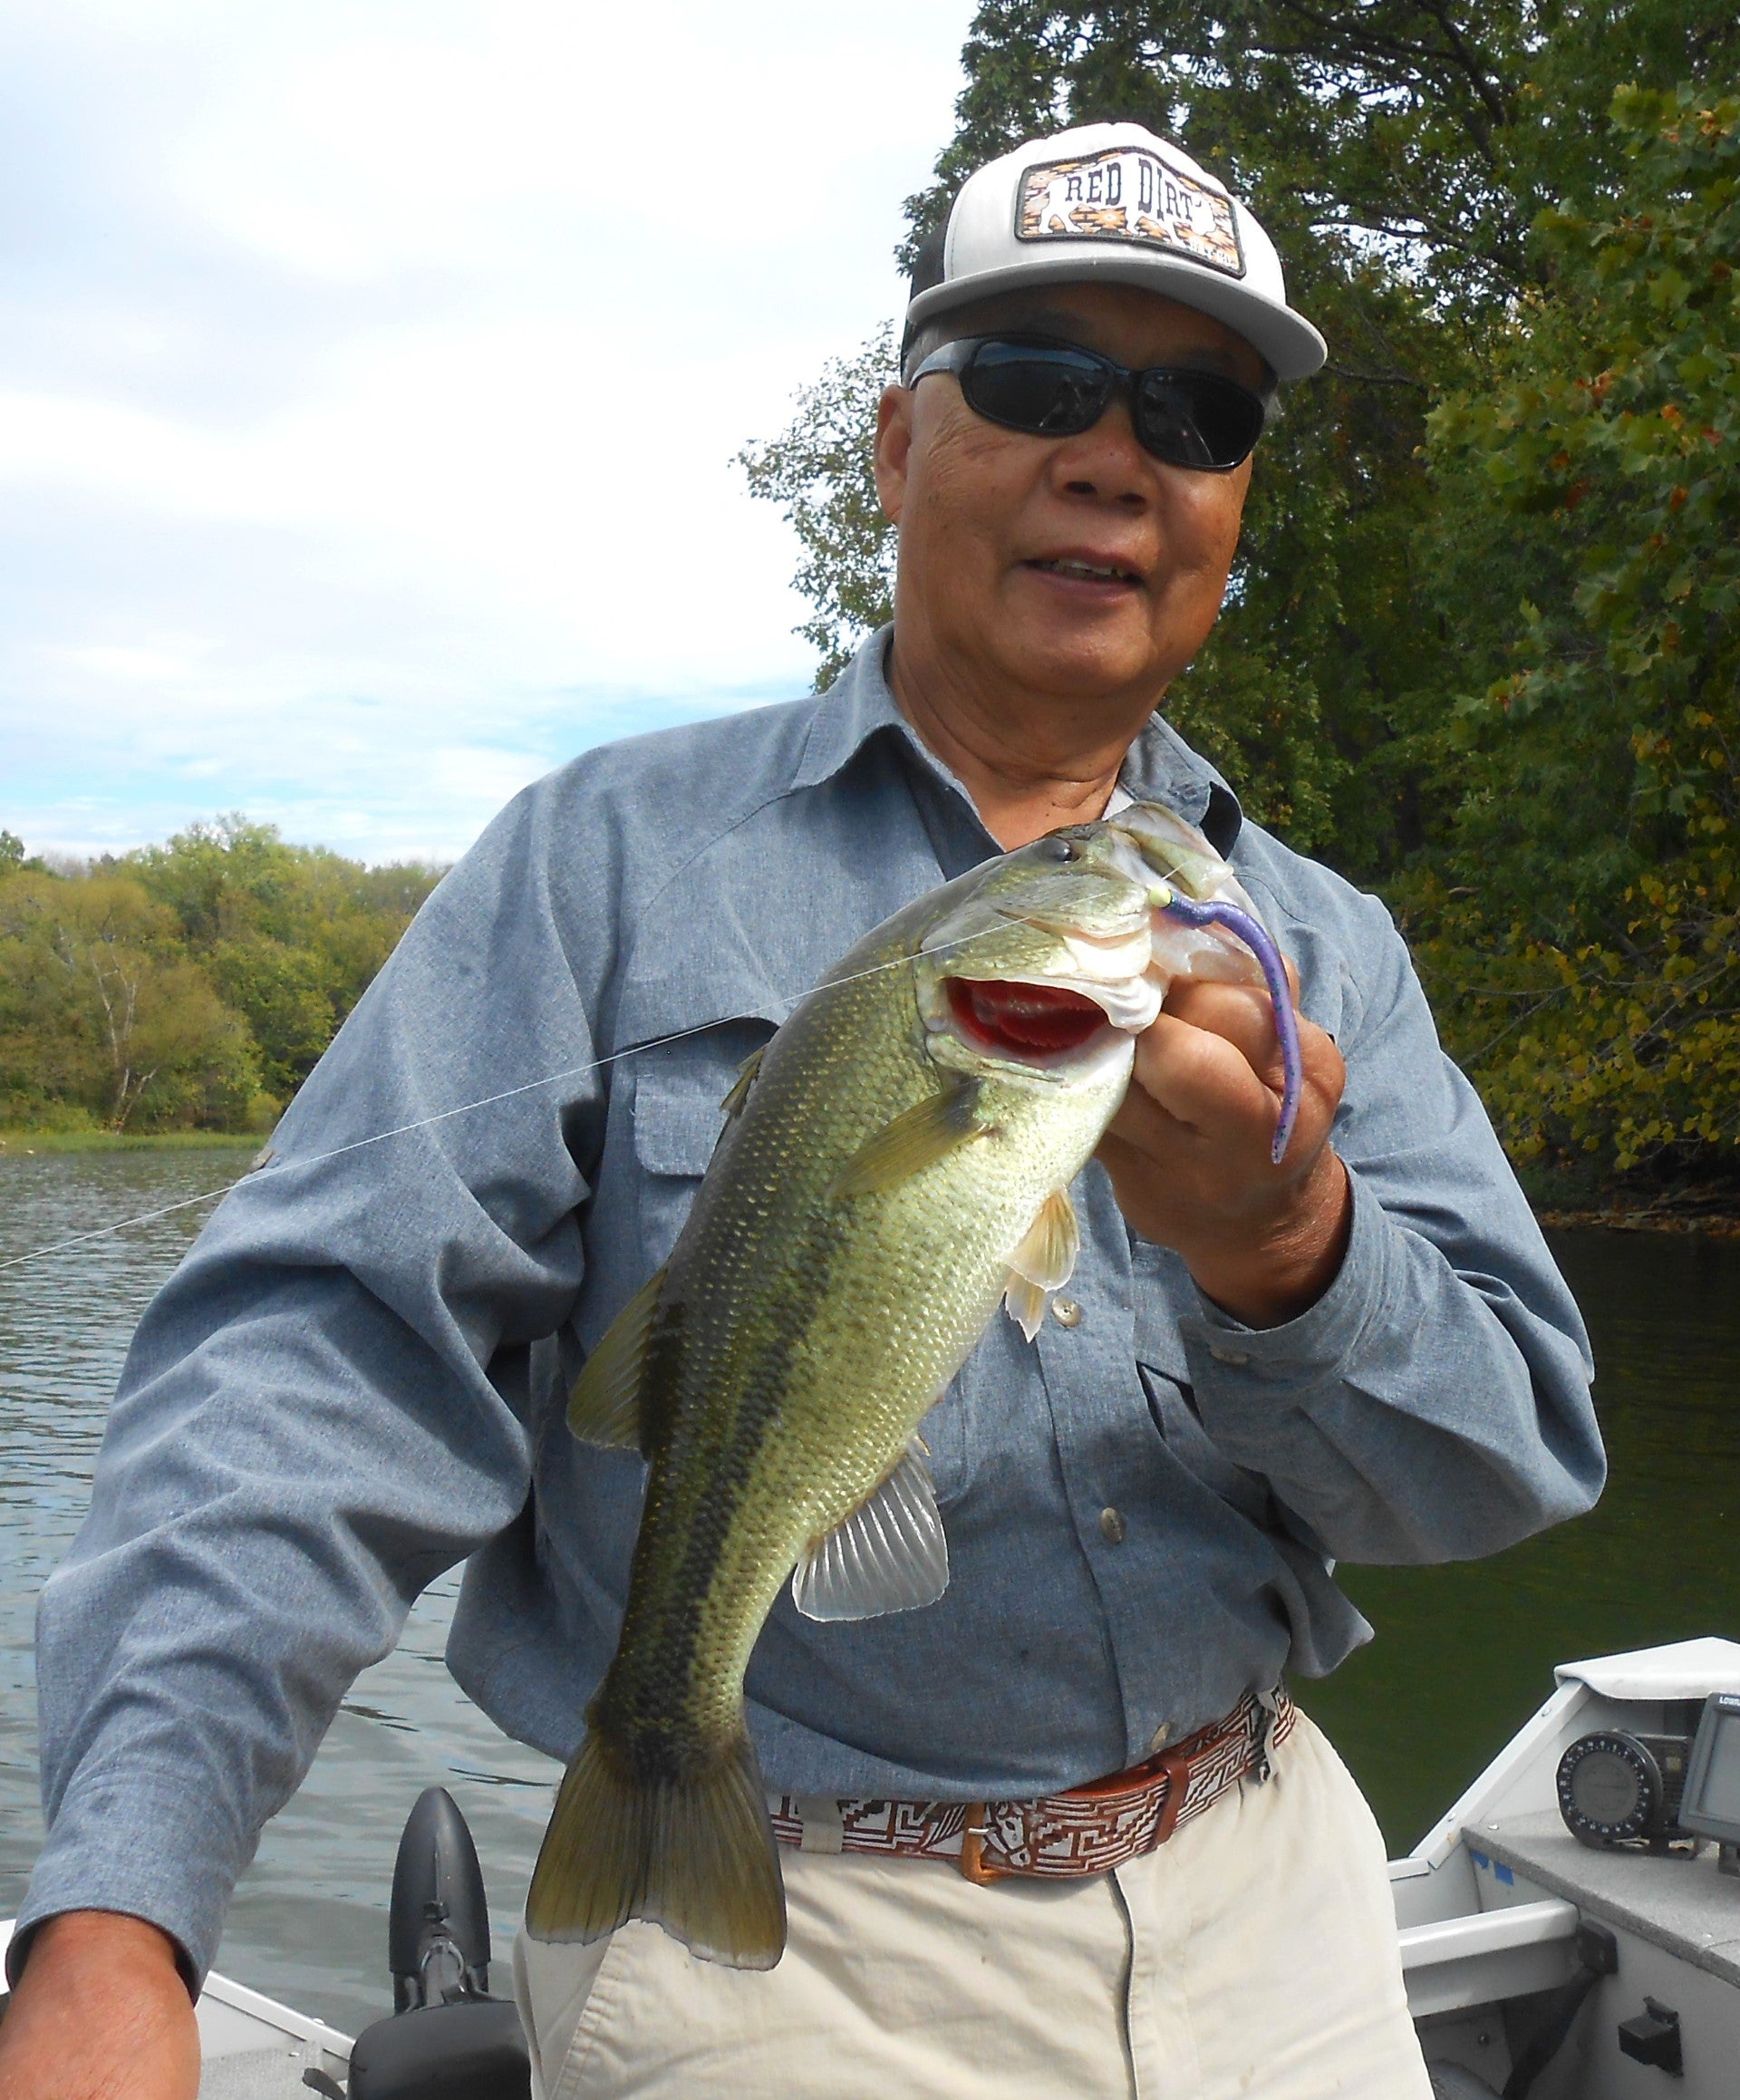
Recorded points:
1049,392
1196,419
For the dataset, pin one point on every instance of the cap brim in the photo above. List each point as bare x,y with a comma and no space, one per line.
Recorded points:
1292,347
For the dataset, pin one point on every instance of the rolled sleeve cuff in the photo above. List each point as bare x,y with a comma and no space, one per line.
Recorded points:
144,1850
1225,1356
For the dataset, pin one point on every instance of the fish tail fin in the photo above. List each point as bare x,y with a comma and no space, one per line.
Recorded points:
693,1854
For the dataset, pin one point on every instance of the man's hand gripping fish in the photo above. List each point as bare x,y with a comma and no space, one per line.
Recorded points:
895,1160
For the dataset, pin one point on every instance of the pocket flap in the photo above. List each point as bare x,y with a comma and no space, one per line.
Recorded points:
676,1126
679,1090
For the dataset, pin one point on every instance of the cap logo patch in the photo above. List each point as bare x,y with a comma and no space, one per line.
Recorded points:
1127,194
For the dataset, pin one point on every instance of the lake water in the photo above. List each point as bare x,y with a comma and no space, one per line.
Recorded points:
1463,1654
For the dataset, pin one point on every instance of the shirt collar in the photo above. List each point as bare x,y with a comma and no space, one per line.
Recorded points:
1159,767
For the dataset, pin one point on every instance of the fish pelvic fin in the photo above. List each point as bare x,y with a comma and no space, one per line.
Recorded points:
915,1140
694,1855
891,1554
1043,1262
1025,1303
1049,1250
606,1404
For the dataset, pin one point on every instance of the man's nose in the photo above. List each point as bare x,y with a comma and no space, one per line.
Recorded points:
1106,461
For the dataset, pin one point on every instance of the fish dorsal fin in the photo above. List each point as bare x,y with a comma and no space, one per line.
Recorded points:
889,1555
606,1404
1043,1262
732,1107
915,1140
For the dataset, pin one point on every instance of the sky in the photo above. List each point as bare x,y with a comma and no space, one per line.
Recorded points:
371,373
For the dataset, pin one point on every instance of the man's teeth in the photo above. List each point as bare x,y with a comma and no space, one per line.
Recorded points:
1091,570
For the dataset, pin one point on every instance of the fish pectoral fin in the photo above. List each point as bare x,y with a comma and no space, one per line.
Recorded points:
1043,1262
732,1107
915,1140
606,1404
891,1554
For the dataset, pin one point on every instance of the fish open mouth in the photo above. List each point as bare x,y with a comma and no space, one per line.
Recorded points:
1022,1020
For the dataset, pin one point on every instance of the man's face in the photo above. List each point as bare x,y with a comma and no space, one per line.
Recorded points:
996,526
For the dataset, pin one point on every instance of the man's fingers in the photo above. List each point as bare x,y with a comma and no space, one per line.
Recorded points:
1201,1079
1240,1014
1213,1070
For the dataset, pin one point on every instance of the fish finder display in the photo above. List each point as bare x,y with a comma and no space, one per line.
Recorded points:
1711,1803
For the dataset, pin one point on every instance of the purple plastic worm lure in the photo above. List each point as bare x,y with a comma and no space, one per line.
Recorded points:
1256,936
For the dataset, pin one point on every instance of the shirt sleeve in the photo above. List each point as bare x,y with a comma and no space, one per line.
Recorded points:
1434,1404
326,1405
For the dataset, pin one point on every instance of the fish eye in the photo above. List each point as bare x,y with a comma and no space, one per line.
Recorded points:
1062,850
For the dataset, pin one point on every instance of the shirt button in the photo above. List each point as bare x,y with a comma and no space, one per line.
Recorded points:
1065,1312
1112,1525
1158,1741
1221,1354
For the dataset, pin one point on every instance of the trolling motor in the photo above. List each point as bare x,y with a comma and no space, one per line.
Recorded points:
447,2038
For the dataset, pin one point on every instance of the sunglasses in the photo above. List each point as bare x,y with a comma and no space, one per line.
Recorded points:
1186,417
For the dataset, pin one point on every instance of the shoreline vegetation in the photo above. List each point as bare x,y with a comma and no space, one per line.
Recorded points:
1555,1203
184,989
40,1144
1557,1199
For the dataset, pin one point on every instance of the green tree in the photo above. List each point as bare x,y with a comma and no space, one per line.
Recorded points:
1581,925
819,470
291,936
100,1008
194,984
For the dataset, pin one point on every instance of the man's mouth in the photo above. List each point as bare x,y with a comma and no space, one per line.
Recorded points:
1089,572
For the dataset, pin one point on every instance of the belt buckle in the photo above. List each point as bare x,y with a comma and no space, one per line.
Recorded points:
972,1862
1172,1766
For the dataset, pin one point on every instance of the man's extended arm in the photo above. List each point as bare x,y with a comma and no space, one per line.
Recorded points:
323,1409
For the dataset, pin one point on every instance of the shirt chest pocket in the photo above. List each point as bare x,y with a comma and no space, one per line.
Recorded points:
677,1117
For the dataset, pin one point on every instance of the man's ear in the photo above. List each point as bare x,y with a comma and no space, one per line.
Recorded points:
893,449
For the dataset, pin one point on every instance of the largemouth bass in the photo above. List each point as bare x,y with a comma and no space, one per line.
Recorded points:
894,1162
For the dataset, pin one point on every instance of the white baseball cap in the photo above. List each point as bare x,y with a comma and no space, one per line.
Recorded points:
1112,203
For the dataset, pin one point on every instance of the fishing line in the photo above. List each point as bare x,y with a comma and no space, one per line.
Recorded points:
268,1165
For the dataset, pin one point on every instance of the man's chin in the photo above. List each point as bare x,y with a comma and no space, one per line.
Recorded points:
1079,665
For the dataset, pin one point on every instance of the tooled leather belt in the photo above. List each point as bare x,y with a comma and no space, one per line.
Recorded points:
1089,1830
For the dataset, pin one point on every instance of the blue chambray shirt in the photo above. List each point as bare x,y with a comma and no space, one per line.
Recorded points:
357,1377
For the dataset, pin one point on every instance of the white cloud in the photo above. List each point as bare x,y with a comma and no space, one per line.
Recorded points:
371,375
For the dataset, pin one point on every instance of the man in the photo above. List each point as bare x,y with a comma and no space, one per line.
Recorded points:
1363,1353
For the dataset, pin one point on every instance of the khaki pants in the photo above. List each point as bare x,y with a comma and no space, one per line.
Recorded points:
1253,1955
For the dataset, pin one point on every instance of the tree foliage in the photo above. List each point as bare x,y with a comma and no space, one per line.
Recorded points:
192,985
1583,917
818,471
1452,660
